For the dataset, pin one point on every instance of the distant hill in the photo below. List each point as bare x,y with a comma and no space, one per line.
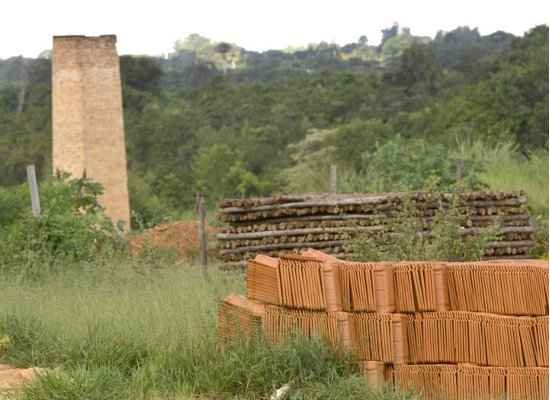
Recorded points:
197,59
215,117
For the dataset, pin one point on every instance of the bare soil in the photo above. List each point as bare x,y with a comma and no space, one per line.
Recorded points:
181,236
12,378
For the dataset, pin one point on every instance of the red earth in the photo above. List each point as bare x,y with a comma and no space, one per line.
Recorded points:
181,236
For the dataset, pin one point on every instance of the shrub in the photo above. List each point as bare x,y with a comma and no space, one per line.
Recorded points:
148,210
72,225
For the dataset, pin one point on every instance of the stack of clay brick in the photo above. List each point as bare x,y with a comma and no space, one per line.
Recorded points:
448,330
328,222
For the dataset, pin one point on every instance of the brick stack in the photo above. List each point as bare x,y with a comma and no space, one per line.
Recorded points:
451,330
329,221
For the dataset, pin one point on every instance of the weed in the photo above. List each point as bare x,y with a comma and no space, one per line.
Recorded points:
410,236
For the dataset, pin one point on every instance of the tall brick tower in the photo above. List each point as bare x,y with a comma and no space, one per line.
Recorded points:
88,125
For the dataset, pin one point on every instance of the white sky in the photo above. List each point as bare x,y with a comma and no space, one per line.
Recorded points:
152,27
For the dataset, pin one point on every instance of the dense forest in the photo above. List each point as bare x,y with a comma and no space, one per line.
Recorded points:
410,113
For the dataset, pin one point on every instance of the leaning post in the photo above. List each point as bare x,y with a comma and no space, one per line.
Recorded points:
33,189
202,233
333,178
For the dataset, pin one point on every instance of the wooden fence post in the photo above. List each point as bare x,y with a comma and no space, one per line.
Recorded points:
459,170
33,188
202,233
333,184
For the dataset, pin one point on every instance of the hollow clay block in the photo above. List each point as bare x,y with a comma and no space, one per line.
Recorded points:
262,280
319,255
333,292
266,260
345,334
441,288
255,308
384,289
238,315
374,372
399,339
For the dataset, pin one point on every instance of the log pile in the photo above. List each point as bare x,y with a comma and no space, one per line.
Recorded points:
451,330
329,222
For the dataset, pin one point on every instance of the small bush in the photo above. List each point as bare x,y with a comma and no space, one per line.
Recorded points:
72,226
541,236
148,210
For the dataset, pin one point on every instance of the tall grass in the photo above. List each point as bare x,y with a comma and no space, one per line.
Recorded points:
514,172
504,167
119,329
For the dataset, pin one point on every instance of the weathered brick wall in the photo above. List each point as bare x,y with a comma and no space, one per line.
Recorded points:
88,126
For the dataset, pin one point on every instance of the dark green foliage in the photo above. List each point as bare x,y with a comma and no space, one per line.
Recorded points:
217,118
414,164
147,208
140,72
417,67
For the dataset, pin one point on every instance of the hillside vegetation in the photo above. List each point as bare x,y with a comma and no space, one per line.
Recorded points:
214,117
459,111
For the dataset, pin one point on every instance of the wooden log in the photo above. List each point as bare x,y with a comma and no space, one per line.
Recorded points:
503,230
344,217
512,257
361,220
297,232
336,201
284,246
375,228
264,201
419,196
322,244
511,244
324,202
505,208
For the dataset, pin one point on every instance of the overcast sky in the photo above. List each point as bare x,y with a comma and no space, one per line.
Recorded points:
151,27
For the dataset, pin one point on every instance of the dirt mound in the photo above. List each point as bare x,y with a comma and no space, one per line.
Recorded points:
181,236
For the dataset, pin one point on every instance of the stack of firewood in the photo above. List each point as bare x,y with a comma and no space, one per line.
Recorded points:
329,222
450,330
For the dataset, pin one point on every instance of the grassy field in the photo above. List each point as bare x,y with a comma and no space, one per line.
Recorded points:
507,172
130,329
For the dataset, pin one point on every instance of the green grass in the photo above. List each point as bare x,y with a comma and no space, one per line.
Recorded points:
505,168
129,329
511,172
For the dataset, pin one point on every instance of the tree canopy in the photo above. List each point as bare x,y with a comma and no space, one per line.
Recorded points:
229,122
